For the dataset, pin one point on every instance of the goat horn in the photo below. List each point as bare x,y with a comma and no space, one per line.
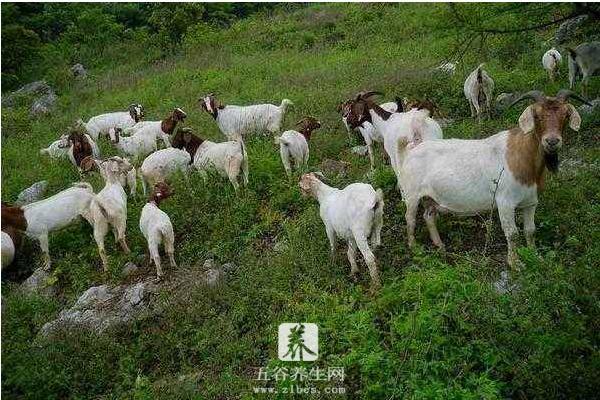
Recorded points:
536,95
564,94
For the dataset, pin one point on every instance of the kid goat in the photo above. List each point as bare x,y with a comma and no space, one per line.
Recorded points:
505,171
293,145
354,214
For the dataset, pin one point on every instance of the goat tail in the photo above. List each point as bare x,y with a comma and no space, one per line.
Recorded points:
284,104
480,72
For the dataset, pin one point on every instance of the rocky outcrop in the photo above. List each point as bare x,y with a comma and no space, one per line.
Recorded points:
337,168
39,282
79,71
40,97
33,193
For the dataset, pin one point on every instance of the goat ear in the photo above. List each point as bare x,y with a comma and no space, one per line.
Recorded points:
574,118
527,120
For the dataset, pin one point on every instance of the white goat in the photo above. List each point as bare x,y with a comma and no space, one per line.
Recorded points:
236,122
479,88
369,133
44,216
90,164
158,166
137,146
109,207
504,171
104,124
156,227
413,126
551,61
158,129
61,148
227,158
354,214
293,145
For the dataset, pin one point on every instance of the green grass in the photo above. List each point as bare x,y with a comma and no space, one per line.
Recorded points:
437,329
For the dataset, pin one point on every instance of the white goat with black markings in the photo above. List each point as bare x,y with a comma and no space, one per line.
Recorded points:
161,164
227,158
479,88
551,60
236,122
293,145
105,124
354,214
413,126
109,207
505,171
40,218
157,228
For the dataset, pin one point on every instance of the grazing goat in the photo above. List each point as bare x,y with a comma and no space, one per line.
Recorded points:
478,90
293,145
236,122
414,126
61,148
44,216
504,171
158,129
227,158
354,214
138,145
584,60
90,164
105,124
551,61
158,166
156,226
109,207
366,129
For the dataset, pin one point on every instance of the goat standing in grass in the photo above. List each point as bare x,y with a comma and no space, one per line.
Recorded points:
156,226
505,171
293,145
354,214
479,88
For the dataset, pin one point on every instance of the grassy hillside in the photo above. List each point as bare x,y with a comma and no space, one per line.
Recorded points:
437,329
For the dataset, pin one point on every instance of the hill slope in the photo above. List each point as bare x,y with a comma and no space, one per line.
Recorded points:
437,329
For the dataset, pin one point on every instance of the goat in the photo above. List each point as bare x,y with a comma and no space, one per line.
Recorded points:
293,145
228,158
109,207
551,61
367,130
354,214
105,124
478,90
236,122
38,219
158,129
504,171
61,148
156,226
415,125
138,145
584,60
90,164
159,165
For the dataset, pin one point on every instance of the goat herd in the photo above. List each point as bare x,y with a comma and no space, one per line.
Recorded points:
466,177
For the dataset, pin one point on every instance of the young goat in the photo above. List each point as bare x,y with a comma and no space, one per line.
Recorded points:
62,148
413,126
109,206
156,226
236,122
478,89
293,145
227,158
354,214
550,61
158,166
504,171
44,216
104,124
158,129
